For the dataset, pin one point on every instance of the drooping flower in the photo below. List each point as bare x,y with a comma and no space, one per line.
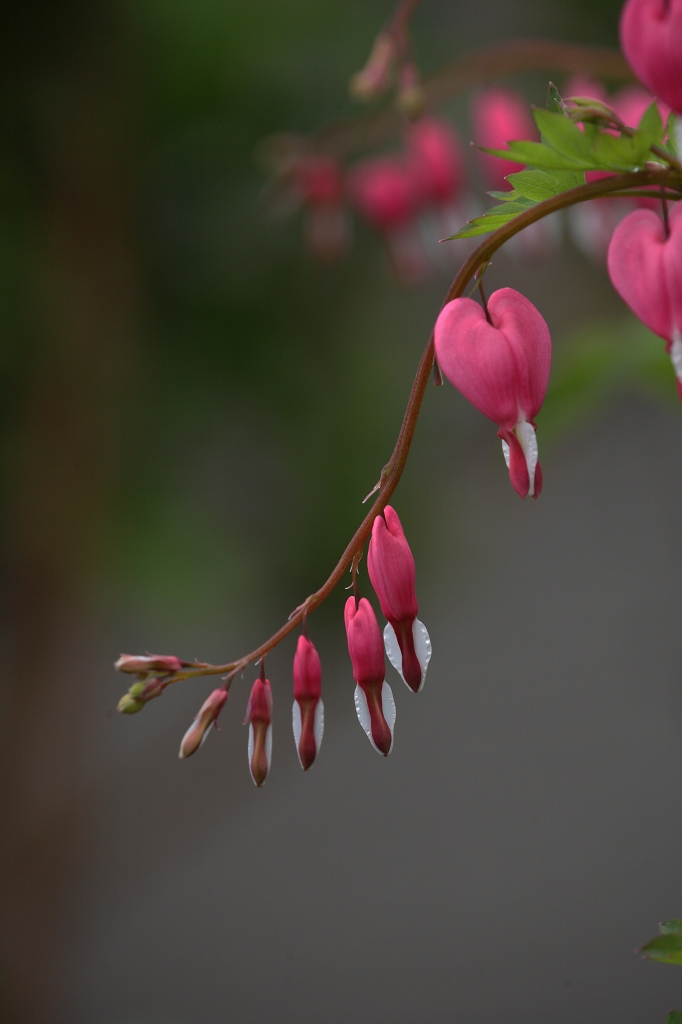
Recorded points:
500,116
374,702
198,731
645,268
651,37
391,569
502,368
259,718
435,157
320,185
308,709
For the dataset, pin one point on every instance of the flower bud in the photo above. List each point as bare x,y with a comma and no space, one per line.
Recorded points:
502,368
148,664
198,731
374,702
651,37
308,709
259,718
129,705
373,79
391,569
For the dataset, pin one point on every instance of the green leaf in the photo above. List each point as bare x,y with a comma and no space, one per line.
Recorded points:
667,949
672,927
539,185
537,154
481,226
509,210
562,134
651,124
506,197
621,153
674,130
674,1017
554,100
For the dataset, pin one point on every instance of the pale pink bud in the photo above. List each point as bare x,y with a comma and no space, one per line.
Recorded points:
503,369
651,37
259,718
374,78
391,569
143,665
198,731
435,155
645,268
374,702
308,709
500,116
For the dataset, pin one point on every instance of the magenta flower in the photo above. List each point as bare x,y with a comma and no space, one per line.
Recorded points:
391,569
500,116
308,710
198,731
645,268
259,718
651,37
373,697
501,367
435,154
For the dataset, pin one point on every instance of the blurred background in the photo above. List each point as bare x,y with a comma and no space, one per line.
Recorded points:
192,411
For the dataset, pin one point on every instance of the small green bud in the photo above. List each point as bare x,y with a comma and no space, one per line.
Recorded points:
136,689
129,705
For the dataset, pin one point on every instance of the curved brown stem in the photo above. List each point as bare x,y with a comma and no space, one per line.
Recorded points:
392,472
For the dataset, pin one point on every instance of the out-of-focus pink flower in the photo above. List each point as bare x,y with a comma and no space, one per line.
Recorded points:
259,718
374,702
585,85
308,709
435,158
651,37
391,569
386,193
500,116
503,369
144,665
645,268
319,182
198,731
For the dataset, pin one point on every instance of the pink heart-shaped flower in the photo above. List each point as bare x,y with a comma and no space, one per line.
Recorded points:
645,268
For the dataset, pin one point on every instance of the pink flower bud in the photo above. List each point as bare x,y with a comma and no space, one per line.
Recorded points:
308,710
500,116
436,160
148,664
374,78
391,569
651,37
503,369
198,731
645,268
320,180
259,718
373,697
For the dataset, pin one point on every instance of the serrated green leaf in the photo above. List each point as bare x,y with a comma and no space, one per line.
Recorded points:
674,1017
672,927
651,124
554,100
481,226
562,134
667,949
621,153
537,154
509,210
506,197
539,185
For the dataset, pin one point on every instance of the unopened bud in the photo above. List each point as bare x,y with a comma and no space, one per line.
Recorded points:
143,665
259,719
129,705
411,97
374,78
201,726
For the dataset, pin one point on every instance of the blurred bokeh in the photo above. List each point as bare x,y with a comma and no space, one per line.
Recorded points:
192,412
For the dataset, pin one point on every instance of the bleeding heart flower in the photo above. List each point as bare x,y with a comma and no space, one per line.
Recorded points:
435,156
259,718
500,116
645,268
374,702
198,731
651,37
501,367
308,710
391,569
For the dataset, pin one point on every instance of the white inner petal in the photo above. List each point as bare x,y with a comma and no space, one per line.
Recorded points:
250,748
318,724
388,708
296,722
529,443
422,647
505,452
676,353
206,732
268,746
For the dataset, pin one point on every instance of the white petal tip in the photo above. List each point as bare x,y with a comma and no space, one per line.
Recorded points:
422,647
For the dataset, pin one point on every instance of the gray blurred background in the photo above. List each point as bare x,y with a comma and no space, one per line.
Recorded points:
192,413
